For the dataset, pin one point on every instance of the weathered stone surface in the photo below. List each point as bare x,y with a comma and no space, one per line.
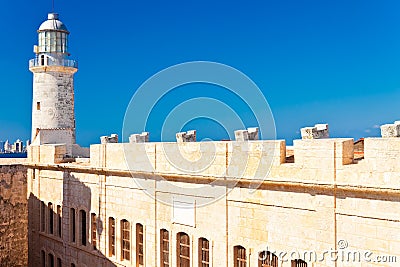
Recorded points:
391,130
245,135
319,131
53,99
241,135
189,136
253,133
13,216
109,139
139,138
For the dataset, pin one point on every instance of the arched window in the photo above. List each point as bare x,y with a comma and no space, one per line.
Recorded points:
43,258
239,256
267,259
59,262
125,240
59,222
299,263
204,252
51,260
111,236
183,250
139,245
42,216
164,248
82,227
73,265
72,224
51,219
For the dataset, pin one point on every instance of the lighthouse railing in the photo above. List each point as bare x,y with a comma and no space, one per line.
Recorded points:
48,61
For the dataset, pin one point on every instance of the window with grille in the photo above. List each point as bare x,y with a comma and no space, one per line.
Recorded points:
59,222
94,229
164,248
139,245
204,252
72,224
111,236
51,218
82,227
239,254
299,263
183,250
125,240
267,259
42,216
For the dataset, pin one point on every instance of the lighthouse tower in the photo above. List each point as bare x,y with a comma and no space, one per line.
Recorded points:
53,116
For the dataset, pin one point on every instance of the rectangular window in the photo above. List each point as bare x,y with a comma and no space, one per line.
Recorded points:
125,240
139,244
204,252
183,250
164,248
111,237
82,227
51,218
94,230
59,222
59,262
72,225
42,216
38,103
239,254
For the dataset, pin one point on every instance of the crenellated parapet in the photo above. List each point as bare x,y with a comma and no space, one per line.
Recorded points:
315,160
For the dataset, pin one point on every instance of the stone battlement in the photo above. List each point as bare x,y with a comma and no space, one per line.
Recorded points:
315,160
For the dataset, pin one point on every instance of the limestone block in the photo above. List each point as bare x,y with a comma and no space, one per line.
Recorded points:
320,153
51,154
317,132
139,138
391,130
109,139
245,135
241,135
253,133
189,136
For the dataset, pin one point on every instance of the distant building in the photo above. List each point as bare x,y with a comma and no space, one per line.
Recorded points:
17,147
2,146
7,147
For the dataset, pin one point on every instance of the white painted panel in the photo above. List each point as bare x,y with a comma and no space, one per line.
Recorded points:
183,212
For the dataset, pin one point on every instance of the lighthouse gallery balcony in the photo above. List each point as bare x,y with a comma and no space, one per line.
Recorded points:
47,61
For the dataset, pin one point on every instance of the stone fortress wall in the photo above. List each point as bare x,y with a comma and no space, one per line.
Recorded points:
250,199
13,213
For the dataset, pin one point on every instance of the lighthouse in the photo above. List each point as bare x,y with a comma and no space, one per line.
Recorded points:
53,116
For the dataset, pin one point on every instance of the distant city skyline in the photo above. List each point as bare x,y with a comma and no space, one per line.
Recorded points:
315,61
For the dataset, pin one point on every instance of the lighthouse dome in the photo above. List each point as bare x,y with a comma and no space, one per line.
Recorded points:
53,24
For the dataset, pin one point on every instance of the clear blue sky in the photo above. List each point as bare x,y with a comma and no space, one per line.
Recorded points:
315,60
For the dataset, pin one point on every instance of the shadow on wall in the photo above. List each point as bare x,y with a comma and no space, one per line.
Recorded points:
64,231
13,216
